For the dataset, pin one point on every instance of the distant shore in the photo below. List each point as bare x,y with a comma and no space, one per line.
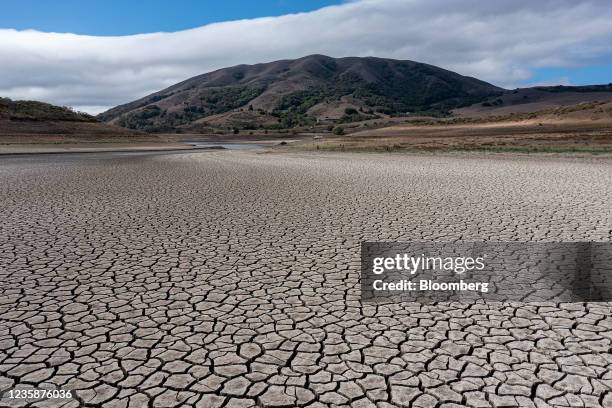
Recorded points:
580,136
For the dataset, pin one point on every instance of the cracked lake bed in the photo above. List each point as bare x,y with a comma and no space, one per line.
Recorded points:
232,279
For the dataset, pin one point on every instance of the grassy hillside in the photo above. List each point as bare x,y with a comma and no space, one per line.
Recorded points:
33,121
40,111
530,100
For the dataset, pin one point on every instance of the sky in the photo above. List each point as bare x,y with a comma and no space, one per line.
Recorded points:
96,54
120,17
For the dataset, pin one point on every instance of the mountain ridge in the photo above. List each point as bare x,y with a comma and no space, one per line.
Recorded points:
303,91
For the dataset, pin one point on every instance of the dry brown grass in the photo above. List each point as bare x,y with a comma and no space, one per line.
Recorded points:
55,132
519,136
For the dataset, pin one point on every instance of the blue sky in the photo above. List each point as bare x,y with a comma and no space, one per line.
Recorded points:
124,17
582,75
88,54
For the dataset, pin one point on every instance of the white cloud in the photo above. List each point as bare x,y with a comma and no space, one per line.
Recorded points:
500,41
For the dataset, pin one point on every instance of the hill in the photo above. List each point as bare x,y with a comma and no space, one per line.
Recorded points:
26,121
584,128
39,111
536,99
305,91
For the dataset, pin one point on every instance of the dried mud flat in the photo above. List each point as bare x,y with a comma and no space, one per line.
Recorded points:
230,278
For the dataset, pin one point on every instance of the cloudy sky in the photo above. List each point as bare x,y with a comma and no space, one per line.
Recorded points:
96,54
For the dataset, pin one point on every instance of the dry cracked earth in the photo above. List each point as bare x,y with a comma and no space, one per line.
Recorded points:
231,279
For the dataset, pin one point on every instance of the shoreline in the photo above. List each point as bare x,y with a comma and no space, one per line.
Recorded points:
268,147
